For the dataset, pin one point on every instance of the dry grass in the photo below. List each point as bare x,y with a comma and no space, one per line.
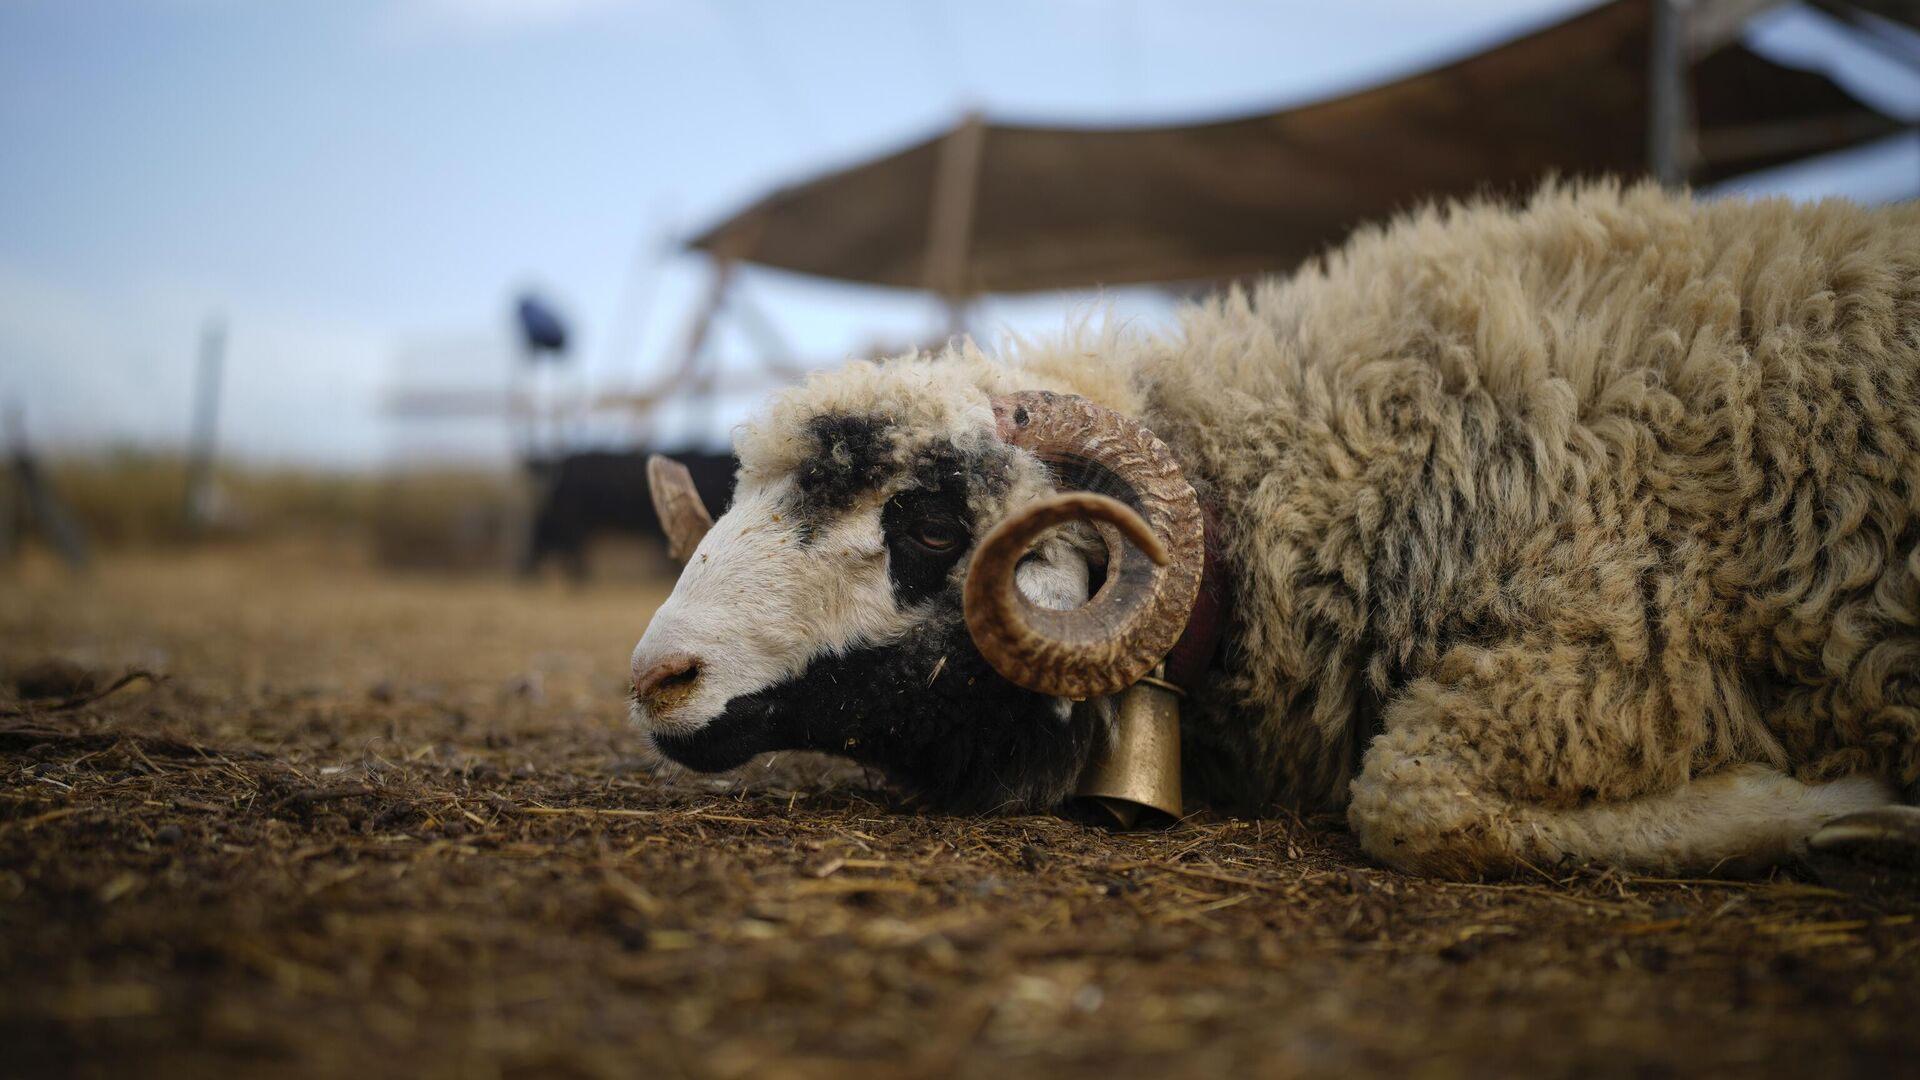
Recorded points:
440,518
386,826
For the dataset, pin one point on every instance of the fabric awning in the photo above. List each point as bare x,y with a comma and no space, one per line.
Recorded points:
1055,208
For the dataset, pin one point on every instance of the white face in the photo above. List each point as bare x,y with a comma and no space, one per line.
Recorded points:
829,618
756,604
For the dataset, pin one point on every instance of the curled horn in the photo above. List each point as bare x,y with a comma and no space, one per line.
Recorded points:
1155,540
683,517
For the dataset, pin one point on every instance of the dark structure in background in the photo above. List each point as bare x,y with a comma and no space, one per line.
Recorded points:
601,493
542,334
29,503
543,344
580,495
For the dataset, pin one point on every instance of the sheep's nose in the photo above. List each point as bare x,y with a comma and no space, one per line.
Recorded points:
667,683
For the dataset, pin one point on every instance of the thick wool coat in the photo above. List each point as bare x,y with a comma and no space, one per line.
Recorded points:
1586,528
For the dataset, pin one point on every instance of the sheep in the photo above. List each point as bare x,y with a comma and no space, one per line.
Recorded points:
1580,531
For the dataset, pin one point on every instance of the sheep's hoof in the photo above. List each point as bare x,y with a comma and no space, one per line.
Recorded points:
1871,851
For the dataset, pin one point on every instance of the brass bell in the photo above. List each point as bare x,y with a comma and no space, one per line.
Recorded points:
1140,770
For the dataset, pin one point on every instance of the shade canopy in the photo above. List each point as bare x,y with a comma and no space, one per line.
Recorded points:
990,207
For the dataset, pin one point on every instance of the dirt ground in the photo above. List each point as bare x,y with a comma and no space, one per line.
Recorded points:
378,826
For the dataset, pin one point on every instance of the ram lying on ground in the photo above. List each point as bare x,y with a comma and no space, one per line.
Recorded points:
1584,531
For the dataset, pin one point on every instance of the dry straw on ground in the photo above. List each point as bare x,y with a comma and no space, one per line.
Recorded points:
379,826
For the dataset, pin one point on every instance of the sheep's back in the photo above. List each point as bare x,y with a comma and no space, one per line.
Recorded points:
1681,432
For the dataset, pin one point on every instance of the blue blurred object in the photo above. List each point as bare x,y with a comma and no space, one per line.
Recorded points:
541,330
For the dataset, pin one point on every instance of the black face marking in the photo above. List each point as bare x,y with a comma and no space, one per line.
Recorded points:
928,526
914,517
852,455
929,711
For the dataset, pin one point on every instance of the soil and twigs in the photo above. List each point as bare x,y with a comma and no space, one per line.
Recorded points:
269,812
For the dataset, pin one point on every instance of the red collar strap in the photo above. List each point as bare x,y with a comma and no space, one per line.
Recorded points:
1192,655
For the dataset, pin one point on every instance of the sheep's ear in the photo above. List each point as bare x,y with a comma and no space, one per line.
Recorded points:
683,517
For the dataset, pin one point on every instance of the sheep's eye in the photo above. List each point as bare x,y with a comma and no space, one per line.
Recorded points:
936,534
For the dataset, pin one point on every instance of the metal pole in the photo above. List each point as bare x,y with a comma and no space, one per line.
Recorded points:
206,418
1667,143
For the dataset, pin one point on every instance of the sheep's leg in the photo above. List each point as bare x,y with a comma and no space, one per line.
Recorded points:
1409,814
1517,762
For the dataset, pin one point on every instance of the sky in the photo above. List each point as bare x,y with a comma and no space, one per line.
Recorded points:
355,189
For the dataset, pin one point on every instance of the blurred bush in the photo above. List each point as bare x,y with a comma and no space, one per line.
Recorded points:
442,518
